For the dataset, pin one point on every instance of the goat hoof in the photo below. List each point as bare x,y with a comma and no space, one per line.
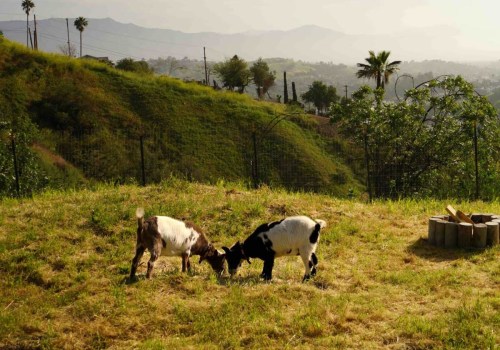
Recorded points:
306,278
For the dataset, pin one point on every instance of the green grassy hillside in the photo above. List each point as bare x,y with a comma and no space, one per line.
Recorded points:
93,116
65,258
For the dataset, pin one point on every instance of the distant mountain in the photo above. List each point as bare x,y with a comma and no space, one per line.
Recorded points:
106,37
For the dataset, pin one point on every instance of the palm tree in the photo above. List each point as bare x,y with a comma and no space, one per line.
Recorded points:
80,24
378,68
27,5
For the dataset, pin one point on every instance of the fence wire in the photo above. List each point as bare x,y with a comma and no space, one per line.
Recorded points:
272,157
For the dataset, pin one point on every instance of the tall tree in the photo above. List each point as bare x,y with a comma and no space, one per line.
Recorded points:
80,24
130,65
378,67
234,73
262,77
294,93
321,95
423,144
27,5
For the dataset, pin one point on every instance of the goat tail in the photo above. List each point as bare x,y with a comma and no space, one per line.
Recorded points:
139,213
322,223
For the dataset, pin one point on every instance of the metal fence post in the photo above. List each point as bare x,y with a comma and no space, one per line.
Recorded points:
367,164
142,161
476,159
16,169
255,173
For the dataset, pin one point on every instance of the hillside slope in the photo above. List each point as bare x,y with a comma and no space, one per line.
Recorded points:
94,116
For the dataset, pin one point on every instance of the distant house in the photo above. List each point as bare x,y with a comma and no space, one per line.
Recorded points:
100,59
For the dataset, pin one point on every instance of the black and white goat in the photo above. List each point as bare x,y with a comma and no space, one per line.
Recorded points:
296,235
162,235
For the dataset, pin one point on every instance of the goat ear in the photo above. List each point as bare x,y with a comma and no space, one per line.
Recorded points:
226,249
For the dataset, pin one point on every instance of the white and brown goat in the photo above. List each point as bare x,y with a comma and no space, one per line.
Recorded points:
163,235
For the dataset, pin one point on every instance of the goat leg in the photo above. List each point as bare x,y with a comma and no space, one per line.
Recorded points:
139,252
185,262
267,271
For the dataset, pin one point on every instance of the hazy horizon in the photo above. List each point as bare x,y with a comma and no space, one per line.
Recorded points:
469,29
235,16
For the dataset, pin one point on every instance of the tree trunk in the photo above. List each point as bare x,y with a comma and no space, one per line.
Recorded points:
493,232
487,218
285,90
440,225
431,237
480,235
464,235
27,34
450,235
80,44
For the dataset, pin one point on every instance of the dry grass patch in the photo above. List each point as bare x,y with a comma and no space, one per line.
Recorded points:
65,258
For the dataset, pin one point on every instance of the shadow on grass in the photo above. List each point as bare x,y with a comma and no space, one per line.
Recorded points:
423,249
169,276
257,280
127,280
175,277
240,281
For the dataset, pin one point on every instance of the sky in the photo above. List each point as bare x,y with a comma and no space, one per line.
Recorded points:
476,18
474,21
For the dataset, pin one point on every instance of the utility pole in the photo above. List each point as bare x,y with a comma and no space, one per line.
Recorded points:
206,72
69,46
345,86
36,34
31,38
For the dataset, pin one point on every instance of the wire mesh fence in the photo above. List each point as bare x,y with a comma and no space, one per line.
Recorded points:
326,164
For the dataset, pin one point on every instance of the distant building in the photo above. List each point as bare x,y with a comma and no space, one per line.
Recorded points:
100,59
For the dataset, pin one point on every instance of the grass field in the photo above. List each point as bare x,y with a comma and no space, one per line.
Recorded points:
65,258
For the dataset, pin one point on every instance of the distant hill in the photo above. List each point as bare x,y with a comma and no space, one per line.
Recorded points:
106,37
92,116
486,77
307,53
